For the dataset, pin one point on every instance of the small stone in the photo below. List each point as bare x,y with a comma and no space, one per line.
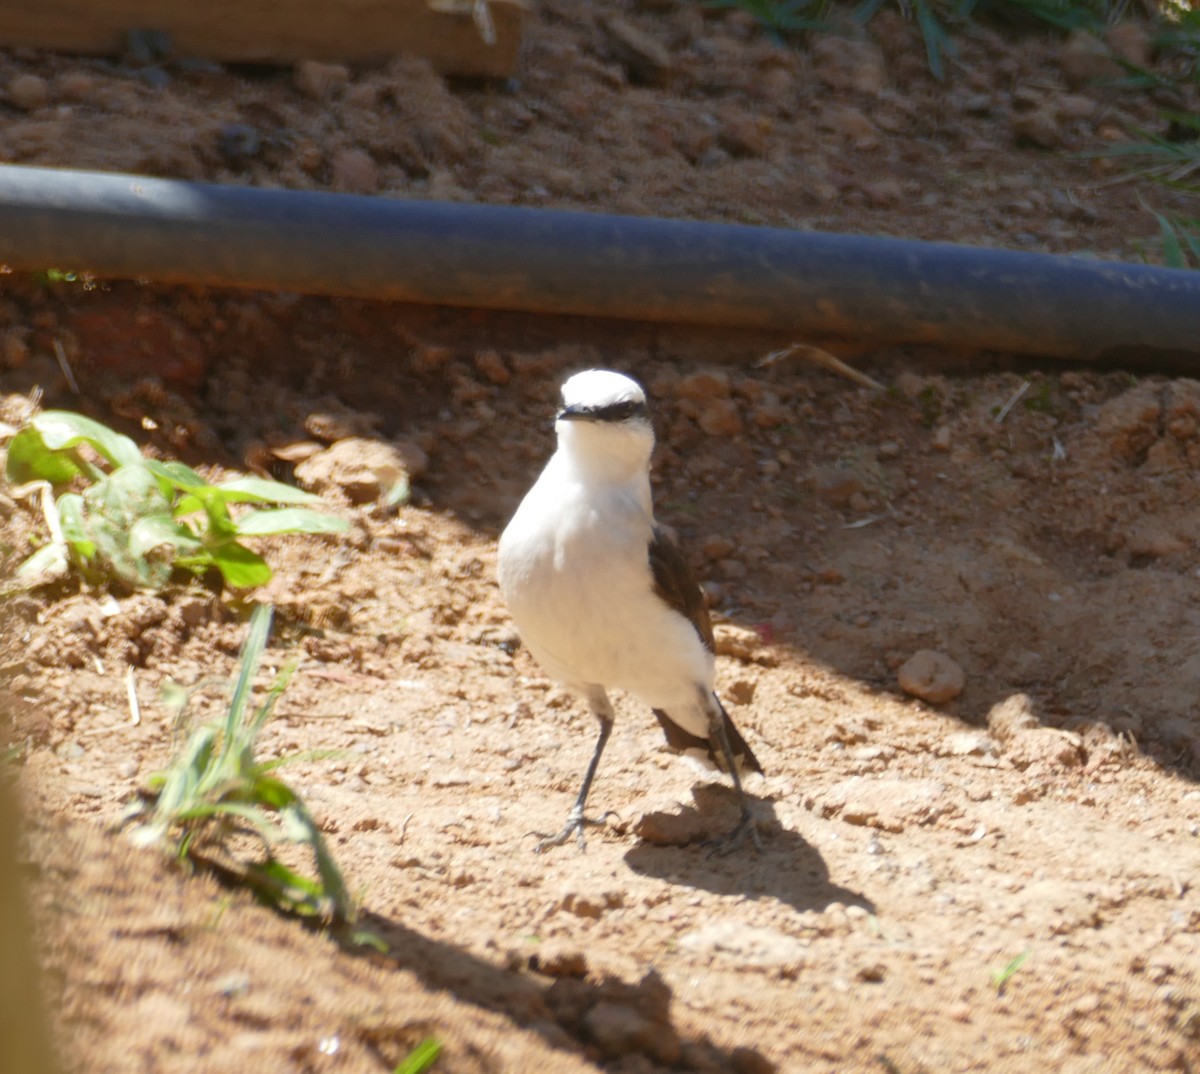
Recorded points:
364,470
320,80
76,86
846,64
354,171
931,676
720,417
492,367
872,972
1129,41
591,904
646,60
664,828
850,123
704,386
834,485
618,1030
238,143
740,642
770,413
1073,107
1011,715
741,691
743,135
890,805
718,546
883,192
1047,746
1041,127
29,92
1085,58
941,438
888,450
559,958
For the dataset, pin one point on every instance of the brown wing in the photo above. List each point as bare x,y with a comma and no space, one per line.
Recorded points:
675,583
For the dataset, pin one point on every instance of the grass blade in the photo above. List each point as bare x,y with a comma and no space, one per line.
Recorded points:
421,1058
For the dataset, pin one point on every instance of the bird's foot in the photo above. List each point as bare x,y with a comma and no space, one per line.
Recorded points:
576,823
727,844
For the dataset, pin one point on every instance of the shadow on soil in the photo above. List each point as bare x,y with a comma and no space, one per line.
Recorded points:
788,869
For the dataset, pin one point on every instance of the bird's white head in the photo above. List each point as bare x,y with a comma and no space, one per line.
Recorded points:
604,424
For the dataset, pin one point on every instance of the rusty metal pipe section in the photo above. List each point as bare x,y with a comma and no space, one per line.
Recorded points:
810,284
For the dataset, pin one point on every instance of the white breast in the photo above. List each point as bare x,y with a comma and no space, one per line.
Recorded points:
575,572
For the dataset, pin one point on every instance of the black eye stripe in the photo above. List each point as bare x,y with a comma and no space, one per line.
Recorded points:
623,411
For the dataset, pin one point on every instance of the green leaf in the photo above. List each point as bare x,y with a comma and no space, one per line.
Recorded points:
62,430
239,566
421,1058
158,530
288,520
261,490
1173,255
179,475
29,459
74,527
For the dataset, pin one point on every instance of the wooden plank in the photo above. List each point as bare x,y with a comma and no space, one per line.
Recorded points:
453,34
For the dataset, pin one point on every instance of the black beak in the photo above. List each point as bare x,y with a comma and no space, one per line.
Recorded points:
576,413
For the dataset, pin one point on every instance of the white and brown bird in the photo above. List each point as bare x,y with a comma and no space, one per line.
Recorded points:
604,599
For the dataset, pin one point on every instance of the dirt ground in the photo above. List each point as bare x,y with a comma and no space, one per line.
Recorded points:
1003,881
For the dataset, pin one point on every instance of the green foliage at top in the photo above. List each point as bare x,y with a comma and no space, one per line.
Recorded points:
133,520
216,785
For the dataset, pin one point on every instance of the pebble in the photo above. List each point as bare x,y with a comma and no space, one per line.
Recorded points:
559,958
744,136
29,92
888,450
591,904
741,691
704,386
850,123
1041,127
320,80
770,413
1085,58
1129,41
834,485
846,64
720,417
76,86
363,469
354,171
931,676
718,546
645,59
491,366
890,805
1013,714
618,1029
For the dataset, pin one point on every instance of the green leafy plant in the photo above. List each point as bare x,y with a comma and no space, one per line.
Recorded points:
216,786
136,520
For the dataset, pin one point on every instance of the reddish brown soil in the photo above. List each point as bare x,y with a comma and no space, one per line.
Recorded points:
1050,814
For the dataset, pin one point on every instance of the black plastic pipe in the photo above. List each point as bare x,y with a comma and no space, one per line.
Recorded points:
811,284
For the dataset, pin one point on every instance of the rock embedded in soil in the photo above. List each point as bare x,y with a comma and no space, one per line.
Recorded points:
645,59
1129,41
846,64
1010,716
931,676
364,470
891,805
354,171
619,1029
1085,58
29,92
320,80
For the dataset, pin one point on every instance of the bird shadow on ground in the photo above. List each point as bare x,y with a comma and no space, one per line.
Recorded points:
673,848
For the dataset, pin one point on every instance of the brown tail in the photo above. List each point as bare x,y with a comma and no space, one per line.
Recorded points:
683,741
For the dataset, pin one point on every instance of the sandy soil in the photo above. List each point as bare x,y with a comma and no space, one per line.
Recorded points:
1036,525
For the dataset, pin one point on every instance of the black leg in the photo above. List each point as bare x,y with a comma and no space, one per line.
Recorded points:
745,826
575,819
